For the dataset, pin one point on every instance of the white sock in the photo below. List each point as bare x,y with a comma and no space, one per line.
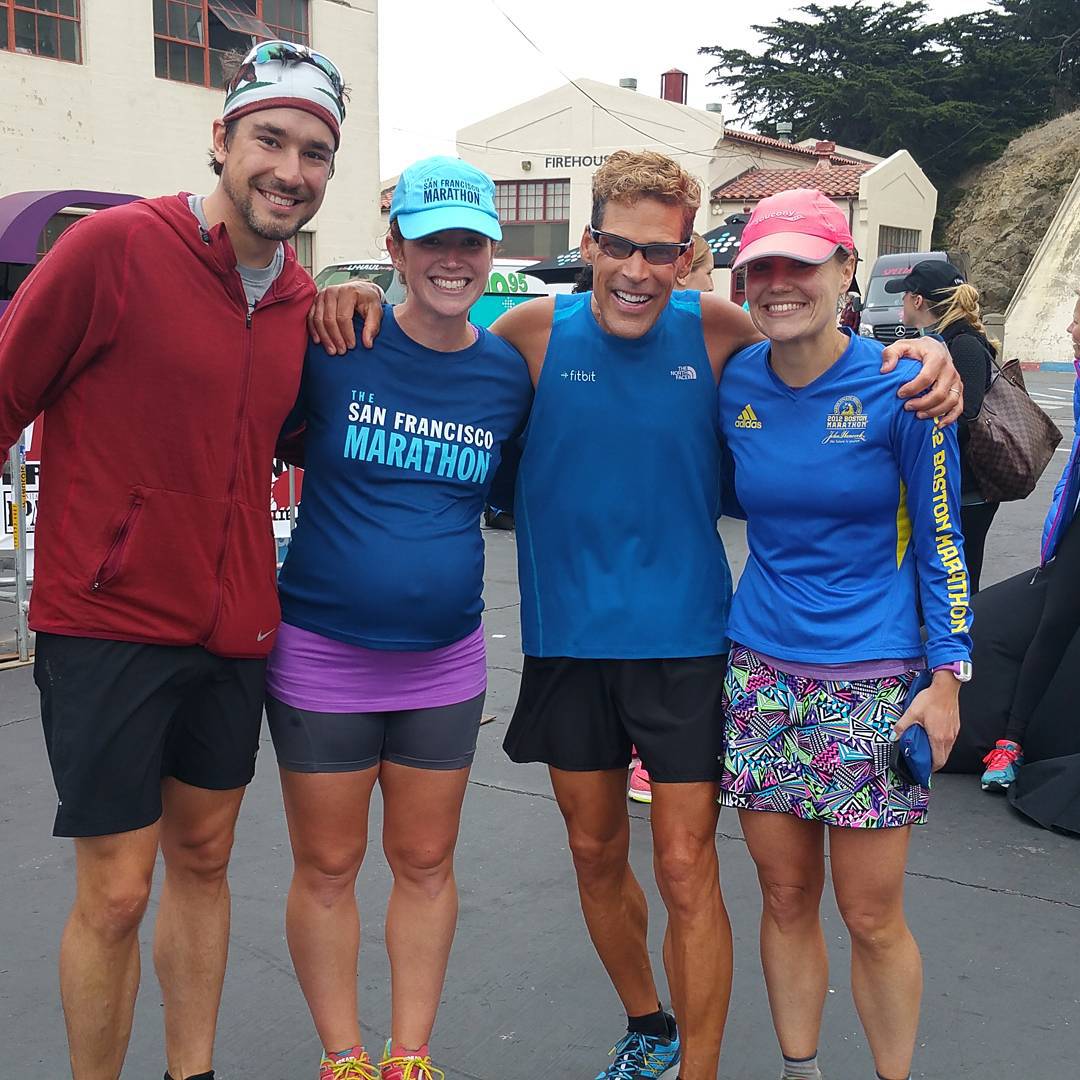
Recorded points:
801,1068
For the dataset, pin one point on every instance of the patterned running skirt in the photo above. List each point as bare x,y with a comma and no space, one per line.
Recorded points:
817,749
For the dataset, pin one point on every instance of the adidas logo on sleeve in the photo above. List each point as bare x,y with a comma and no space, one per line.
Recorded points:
748,418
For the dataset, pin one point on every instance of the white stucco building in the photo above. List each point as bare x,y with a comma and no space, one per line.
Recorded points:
543,153
119,96
1045,299
889,202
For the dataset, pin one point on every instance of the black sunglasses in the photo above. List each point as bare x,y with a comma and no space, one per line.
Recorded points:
618,247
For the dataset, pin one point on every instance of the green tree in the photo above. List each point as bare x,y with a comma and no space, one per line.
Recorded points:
880,77
1053,28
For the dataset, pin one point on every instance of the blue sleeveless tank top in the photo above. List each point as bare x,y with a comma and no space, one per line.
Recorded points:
618,492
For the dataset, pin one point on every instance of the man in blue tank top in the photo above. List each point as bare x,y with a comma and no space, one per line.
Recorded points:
625,586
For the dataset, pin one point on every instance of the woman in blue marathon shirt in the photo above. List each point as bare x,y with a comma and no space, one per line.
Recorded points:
852,509
379,669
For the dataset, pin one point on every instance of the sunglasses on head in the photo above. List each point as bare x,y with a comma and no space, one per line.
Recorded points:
285,52
618,247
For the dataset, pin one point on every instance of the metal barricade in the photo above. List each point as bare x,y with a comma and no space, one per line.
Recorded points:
17,462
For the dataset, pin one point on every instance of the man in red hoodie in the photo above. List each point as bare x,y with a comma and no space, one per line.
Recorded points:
163,341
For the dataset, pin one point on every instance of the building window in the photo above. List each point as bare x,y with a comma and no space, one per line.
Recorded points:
893,241
288,19
534,200
53,228
535,216
304,246
41,28
191,36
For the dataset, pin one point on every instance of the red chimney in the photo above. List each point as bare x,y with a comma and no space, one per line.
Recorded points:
824,152
673,86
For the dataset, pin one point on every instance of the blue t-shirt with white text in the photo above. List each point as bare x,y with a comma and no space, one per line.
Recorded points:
401,445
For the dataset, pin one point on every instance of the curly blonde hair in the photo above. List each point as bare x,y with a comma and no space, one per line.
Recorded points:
629,175
702,253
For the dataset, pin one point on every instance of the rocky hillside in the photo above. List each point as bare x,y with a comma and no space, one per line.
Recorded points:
1008,204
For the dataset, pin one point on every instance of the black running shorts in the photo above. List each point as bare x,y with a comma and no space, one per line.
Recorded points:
441,737
119,716
584,715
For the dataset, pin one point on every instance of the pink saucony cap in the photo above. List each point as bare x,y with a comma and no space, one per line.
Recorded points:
800,224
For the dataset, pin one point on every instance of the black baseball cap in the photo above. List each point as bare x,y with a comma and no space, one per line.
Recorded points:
928,278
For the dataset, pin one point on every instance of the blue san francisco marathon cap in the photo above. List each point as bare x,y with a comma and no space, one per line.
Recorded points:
444,193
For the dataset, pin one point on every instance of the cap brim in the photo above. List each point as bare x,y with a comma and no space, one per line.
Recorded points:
797,246
897,285
426,222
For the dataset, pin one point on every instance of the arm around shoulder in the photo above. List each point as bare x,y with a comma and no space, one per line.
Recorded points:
727,329
528,327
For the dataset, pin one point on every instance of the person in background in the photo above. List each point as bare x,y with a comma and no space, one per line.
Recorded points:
938,300
852,525
583,282
699,277
851,313
1058,619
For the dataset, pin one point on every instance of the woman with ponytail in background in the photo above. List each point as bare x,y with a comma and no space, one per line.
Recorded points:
938,300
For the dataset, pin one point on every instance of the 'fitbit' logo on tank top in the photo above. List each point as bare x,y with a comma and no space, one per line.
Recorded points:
579,376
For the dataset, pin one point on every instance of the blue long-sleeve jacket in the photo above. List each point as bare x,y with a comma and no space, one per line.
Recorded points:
1067,491
853,515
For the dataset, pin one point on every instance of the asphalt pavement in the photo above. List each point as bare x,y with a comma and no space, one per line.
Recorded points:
993,900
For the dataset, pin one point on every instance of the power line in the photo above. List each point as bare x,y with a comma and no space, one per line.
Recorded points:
707,152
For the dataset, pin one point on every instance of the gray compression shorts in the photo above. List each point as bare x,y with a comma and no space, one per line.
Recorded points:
436,738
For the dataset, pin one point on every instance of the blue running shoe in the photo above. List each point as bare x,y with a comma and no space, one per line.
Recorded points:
1002,765
643,1057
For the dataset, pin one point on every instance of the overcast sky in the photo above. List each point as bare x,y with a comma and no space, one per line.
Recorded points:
445,65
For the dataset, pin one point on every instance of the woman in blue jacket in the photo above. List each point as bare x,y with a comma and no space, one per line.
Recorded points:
1060,616
853,525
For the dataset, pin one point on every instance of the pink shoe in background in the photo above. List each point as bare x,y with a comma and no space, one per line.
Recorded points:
639,790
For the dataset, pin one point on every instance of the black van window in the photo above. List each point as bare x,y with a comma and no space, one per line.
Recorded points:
12,275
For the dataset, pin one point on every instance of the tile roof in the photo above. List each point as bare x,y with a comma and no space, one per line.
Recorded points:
838,181
779,144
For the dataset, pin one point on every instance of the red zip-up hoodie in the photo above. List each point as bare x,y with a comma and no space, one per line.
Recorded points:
162,400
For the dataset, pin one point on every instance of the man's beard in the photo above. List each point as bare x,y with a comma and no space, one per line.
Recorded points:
244,201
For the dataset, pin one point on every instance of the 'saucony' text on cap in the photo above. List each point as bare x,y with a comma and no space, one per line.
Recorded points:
801,224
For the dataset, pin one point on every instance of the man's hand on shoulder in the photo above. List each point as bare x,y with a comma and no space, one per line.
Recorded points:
527,327
944,397
727,328
330,320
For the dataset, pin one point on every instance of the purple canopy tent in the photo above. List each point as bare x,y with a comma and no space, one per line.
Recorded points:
23,217
25,214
